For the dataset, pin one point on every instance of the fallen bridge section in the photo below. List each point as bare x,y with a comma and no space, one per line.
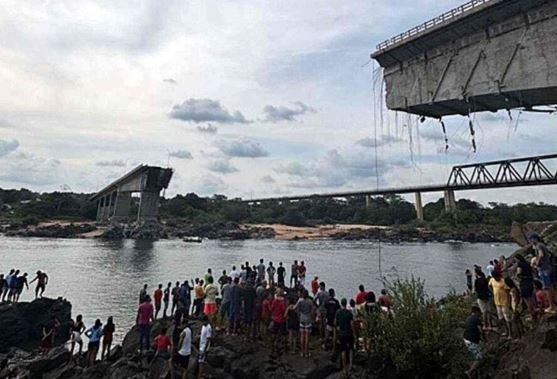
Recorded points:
485,55
114,201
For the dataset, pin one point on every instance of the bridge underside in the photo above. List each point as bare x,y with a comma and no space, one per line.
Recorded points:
500,56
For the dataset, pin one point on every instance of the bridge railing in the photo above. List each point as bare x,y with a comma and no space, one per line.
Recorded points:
447,16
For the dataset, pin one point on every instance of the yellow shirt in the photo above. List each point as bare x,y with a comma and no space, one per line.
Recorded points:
500,292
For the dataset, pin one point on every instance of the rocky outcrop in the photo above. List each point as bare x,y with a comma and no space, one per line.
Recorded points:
54,230
21,323
546,230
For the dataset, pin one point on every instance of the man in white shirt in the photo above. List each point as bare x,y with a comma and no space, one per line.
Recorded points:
185,351
235,273
204,343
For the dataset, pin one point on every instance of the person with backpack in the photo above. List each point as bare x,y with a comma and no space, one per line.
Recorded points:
545,262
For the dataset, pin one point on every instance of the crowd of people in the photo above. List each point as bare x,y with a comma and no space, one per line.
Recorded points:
13,284
255,302
512,289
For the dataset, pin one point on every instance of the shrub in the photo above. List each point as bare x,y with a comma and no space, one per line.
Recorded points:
423,339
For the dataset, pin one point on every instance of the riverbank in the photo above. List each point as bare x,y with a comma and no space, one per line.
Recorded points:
235,231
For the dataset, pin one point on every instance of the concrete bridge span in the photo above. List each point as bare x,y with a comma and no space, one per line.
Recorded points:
485,55
114,200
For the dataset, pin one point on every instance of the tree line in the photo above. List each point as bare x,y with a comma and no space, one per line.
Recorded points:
30,207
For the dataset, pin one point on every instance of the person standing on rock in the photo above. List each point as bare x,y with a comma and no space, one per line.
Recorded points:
305,310
260,271
344,322
20,283
278,318
331,308
13,286
544,260
235,306
294,274
2,285
108,333
483,294
210,303
166,298
175,297
157,295
208,274
6,288
76,330
42,281
143,294
526,284
184,352
49,334
224,310
163,351
302,274
502,301
204,344
271,270
320,300
234,274
249,295
223,280
143,322
469,285
94,334
199,295
472,337
281,273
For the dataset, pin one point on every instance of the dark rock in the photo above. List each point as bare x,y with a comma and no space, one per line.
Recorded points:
21,323
550,340
54,359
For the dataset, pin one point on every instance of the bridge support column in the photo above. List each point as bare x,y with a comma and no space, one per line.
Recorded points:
368,201
122,206
450,202
419,206
148,206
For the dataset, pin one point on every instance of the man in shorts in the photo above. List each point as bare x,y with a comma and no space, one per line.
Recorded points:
344,323
472,336
204,343
278,318
184,352
302,274
163,352
271,270
305,310
321,298
42,281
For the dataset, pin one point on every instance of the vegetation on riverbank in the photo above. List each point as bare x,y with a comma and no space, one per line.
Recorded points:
28,208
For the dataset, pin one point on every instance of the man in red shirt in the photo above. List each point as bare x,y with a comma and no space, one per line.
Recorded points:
360,296
158,300
163,349
278,310
314,285
302,274
144,317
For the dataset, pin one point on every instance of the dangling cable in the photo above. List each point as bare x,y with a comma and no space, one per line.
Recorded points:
380,265
472,132
444,134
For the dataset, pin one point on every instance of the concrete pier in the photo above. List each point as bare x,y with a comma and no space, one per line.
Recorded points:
450,202
419,206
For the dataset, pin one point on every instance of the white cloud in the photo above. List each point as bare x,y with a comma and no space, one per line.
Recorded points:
111,163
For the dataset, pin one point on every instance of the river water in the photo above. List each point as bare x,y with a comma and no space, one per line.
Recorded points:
103,278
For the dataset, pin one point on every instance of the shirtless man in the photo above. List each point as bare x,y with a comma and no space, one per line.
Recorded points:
42,281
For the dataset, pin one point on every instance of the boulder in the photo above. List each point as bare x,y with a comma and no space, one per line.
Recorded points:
55,358
21,323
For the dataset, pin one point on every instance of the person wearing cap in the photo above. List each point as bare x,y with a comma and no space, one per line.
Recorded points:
545,270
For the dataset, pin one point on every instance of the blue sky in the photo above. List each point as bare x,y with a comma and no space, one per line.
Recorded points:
244,98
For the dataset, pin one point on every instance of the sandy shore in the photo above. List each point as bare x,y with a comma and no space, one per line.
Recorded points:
286,232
